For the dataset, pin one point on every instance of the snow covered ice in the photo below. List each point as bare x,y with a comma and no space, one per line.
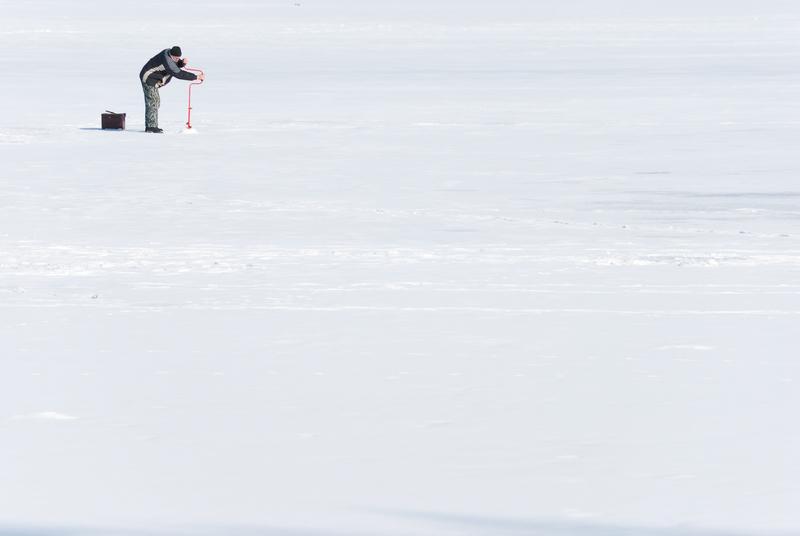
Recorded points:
427,268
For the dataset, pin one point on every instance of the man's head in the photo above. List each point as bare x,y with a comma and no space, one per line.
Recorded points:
175,52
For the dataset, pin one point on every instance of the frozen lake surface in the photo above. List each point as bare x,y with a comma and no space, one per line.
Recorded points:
475,268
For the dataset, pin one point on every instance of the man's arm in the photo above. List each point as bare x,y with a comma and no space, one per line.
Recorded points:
185,75
175,68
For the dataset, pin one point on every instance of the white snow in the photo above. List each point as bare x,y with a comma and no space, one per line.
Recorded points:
427,268
45,416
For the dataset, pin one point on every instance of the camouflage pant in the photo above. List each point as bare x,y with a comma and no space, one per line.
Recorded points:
152,101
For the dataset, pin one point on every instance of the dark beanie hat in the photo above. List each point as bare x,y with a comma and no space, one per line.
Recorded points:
175,51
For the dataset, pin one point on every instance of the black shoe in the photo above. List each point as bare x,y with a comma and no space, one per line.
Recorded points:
154,130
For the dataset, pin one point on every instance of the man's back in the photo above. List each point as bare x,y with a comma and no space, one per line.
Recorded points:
160,69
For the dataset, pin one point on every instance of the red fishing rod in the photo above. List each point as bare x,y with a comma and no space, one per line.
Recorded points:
193,83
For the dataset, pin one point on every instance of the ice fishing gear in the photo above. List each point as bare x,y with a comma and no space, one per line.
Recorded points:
112,120
193,83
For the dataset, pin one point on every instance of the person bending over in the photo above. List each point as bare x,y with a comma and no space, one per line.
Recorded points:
157,73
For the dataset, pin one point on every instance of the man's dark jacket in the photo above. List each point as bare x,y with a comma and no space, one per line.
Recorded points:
161,68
